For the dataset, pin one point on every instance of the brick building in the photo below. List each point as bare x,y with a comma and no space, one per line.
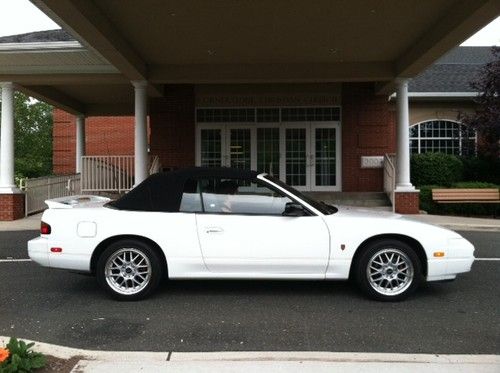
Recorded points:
287,88
437,98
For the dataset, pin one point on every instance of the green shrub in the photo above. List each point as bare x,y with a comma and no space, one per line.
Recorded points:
435,169
426,202
482,169
465,209
474,185
21,358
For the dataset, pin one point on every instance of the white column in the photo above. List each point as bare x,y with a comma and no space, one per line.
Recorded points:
7,184
141,138
80,142
403,137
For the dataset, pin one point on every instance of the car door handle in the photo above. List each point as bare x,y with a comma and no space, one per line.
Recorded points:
214,230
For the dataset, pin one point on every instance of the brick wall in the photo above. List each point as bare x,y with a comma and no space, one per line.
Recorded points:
104,136
368,129
172,121
11,206
406,202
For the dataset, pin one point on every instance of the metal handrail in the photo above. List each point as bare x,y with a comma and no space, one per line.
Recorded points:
107,173
390,176
39,189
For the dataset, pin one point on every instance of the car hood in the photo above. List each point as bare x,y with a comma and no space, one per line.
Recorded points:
384,222
357,212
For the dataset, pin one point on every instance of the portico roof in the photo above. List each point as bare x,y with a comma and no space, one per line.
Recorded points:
223,41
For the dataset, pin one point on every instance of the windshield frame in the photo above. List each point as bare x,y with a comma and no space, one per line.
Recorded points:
322,207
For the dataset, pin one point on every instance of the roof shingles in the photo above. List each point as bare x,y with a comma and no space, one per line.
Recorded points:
453,72
38,37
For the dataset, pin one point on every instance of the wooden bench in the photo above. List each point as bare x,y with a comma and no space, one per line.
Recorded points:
486,195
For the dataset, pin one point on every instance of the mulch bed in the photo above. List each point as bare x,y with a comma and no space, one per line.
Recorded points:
54,364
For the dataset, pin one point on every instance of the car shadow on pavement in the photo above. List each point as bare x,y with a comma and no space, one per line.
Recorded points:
258,288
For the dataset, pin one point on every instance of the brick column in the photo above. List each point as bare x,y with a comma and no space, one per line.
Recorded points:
406,202
11,206
172,120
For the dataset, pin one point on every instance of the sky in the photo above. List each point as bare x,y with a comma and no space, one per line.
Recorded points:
32,19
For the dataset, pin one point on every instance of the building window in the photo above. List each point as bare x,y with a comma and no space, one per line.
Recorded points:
319,114
443,136
268,115
225,115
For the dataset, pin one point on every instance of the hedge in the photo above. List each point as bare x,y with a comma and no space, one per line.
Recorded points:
436,169
483,169
471,209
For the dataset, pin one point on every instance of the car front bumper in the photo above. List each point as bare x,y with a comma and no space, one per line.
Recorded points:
458,259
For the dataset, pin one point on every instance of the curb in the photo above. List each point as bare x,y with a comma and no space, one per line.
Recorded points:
63,352
470,227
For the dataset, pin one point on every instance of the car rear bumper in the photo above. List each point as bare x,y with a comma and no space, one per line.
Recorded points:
68,258
38,251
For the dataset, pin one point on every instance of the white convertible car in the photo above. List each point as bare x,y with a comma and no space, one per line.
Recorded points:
222,223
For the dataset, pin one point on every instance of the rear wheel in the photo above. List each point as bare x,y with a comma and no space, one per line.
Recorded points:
388,270
129,270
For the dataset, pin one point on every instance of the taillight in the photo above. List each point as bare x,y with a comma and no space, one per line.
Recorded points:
45,228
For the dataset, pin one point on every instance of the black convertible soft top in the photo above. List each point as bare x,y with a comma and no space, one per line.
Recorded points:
163,191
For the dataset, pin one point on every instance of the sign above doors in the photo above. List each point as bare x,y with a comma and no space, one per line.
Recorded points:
266,95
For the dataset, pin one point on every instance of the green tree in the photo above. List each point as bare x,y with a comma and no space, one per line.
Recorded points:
32,137
486,119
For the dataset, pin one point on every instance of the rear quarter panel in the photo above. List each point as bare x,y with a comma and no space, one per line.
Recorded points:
174,233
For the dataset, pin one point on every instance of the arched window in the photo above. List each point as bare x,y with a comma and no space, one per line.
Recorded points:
445,136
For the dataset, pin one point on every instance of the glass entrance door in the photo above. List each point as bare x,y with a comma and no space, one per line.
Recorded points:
211,146
312,156
325,144
296,170
240,152
305,155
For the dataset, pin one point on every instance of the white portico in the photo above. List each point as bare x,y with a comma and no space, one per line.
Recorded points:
121,62
7,184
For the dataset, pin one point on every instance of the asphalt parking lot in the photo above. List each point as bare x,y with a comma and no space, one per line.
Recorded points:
460,317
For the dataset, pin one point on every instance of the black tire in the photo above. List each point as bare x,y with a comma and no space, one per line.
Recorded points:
133,279
377,280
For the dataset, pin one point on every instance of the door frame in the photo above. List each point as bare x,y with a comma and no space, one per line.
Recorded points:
310,127
296,125
338,156
210,126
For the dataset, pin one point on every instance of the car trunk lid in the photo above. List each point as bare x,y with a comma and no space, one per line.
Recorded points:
77,201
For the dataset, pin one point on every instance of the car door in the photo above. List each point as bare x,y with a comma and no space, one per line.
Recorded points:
243,233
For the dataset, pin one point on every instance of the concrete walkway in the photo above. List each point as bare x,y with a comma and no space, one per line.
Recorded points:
451,222
266,361
459,223
28,223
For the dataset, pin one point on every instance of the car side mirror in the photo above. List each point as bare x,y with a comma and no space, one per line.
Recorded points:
294,209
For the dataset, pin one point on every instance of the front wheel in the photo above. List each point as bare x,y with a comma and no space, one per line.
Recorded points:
388,270
129,270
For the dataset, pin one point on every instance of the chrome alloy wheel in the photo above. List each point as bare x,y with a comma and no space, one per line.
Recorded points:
128,271
390,271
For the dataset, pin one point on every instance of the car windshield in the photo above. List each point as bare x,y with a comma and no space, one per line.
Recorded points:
320,206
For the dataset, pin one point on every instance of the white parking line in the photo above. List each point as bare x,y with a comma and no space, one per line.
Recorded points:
10,260
491,259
